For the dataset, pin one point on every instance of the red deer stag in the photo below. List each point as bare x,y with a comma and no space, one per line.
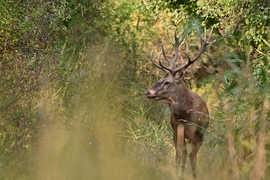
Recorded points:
189,113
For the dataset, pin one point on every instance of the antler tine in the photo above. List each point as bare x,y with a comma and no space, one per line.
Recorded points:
159,61
171,62
207,41
163,51
176,44
186,53
178,41
156,63
210,35
204,43
182,37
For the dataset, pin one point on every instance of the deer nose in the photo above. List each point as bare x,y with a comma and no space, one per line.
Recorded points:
150,94
146,93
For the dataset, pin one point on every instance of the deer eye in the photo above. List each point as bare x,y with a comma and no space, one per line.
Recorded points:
166,83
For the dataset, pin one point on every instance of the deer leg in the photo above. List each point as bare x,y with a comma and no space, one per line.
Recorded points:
184,155
193,157
180,146
177,156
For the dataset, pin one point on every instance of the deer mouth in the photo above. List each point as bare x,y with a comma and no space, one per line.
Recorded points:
152,96
158,98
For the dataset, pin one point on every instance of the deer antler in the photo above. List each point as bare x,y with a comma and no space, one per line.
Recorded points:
151,54
176,44
178,40
204,43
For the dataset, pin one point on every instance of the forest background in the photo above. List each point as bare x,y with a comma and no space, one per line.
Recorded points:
73,74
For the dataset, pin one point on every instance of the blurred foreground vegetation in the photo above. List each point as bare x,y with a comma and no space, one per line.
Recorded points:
73,75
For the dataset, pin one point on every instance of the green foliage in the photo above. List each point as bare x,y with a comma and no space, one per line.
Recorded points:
246,20
28,46
261,70
73,75
250,18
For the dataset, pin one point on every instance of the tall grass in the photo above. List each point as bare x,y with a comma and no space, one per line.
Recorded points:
84,140
90,138
236,142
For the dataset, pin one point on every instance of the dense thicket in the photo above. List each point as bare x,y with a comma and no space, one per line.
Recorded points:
30,48
41,44
73,75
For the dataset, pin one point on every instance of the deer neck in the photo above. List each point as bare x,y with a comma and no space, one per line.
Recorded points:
181,102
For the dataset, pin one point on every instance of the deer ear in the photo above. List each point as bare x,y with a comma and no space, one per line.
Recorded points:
180,75
166,75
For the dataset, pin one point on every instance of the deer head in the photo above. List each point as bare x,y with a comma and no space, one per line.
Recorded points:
173,81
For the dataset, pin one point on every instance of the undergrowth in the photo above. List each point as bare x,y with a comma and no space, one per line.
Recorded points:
235,145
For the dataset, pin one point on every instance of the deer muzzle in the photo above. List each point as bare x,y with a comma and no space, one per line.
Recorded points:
150,94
